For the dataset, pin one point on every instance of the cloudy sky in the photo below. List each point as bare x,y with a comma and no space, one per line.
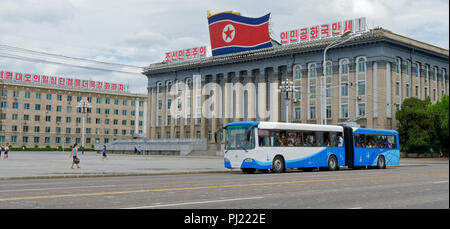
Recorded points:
138,32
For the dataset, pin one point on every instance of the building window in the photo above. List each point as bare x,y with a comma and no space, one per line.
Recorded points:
159,122
344,110
298,93
328,110
312,112
328,68
361,65
398,66
417,69
344,66
361,87
397,88
435,72
361,109
159,104
312,91
344,89
417,91
298,113
297,72
408,91
408,67
312,71
329,91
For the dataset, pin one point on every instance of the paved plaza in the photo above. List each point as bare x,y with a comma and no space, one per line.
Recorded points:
56,164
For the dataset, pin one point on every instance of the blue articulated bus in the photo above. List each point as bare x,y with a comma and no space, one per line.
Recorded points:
276,146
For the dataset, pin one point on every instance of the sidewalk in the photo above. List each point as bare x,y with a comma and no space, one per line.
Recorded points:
54,164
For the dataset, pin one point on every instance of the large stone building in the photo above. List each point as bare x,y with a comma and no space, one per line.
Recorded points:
40,115
367,78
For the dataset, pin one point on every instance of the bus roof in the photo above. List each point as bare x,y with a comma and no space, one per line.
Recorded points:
374,131
289,126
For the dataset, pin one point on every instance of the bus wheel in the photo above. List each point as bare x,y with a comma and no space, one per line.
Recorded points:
381,163
332,163
278,165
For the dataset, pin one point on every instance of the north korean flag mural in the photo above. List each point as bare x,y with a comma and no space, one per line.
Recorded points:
231,33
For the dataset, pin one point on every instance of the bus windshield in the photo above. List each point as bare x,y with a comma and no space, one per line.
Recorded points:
240,137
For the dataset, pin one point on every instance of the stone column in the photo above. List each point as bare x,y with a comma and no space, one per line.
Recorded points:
274,96
154,107
251,97
263,112
239,99
164,111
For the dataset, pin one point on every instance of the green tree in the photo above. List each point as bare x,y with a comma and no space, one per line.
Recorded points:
414,125
439,132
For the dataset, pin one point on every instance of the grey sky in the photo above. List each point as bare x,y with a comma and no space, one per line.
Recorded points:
138,32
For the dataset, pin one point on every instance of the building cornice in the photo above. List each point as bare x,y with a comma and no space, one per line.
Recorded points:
286,50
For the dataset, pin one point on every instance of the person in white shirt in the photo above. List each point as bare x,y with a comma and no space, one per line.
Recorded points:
340,141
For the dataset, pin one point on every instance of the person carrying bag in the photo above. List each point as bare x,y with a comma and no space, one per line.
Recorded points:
75,158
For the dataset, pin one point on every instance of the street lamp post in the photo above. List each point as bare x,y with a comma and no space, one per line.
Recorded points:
323,101
286,87
83,104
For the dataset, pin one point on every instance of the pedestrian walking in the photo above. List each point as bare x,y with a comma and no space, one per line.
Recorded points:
74,154
5,155
1,148
431,152
104,153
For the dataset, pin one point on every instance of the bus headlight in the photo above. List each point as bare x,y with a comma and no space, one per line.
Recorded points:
248,160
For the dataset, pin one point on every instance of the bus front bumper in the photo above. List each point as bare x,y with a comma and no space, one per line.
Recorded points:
247,163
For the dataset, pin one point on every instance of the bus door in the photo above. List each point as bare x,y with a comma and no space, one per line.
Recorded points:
349,147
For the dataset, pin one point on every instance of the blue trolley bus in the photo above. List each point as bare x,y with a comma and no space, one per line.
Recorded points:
275,146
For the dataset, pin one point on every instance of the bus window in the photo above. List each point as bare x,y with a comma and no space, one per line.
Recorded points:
264,137
275,138
359,141
334,141
298,141
308,138
283,138
392,142
319,139
379,140
370,141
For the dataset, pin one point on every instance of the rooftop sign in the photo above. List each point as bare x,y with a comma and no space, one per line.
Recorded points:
62,81
185,54
323,31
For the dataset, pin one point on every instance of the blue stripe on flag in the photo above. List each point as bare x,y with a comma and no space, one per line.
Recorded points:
237,18
233,49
